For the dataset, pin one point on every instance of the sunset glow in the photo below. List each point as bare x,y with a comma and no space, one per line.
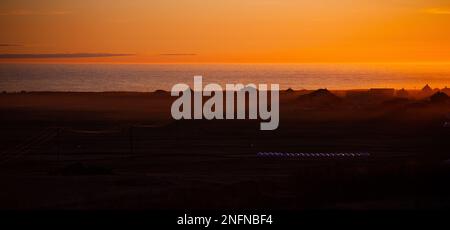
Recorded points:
229,31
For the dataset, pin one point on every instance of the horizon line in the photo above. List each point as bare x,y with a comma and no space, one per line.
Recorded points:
48,60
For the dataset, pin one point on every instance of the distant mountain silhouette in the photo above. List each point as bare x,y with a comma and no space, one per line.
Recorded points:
290,90
320,98
440,97
427,89
161,93
446,91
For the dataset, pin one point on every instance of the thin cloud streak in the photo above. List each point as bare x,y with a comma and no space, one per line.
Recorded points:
32,13
61,55
9,45
442,11
178,54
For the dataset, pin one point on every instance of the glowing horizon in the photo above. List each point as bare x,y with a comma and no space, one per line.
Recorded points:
253,31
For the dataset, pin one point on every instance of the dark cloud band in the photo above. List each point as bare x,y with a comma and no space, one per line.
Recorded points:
178,54
8,45
62,55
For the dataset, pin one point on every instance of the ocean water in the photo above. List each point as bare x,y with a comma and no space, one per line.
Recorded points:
149,77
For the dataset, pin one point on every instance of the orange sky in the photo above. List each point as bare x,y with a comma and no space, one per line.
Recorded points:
229,30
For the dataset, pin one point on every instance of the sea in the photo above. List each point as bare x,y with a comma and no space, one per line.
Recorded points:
100,77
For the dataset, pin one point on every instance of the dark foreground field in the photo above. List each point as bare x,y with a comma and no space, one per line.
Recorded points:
123,151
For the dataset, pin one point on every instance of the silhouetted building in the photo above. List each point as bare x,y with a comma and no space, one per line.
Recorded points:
402,93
